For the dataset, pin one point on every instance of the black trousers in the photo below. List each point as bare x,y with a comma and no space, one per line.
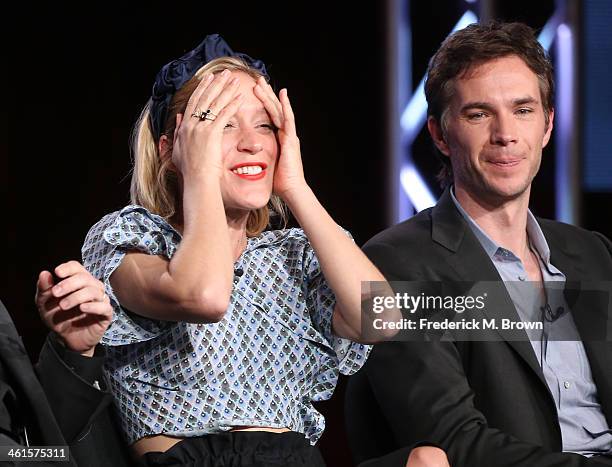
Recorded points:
239,449
607,460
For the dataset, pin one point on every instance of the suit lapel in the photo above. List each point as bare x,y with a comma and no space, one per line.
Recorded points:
471,263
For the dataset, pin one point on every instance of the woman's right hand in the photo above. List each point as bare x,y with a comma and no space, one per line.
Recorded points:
195,284
197,142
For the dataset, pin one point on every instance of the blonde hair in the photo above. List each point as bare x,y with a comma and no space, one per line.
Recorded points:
155,183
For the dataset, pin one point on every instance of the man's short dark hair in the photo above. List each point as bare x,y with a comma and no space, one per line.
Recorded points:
473,46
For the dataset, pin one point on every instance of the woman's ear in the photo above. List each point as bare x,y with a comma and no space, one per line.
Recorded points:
179,119
164,148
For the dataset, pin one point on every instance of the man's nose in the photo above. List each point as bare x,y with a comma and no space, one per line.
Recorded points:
504,129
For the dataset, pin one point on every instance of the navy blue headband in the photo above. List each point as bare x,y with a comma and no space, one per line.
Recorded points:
176,73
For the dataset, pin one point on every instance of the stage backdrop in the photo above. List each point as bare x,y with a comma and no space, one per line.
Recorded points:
76,78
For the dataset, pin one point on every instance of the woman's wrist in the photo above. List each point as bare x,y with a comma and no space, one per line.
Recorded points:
205,175
294,196
198,193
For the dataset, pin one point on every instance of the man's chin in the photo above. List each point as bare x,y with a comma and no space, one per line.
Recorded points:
508,192
501,191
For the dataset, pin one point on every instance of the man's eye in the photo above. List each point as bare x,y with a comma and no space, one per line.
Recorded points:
524,111
268,126
476,116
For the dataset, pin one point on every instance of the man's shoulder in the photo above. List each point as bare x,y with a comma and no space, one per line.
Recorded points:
5,317
402,251
572,233
588,244
561,227
405,234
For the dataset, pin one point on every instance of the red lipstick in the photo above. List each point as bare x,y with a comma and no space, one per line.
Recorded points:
247,176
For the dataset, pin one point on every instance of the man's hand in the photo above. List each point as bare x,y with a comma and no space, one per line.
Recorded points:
75,308
427,456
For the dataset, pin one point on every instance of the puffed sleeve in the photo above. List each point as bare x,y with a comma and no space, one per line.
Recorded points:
320,300
133,228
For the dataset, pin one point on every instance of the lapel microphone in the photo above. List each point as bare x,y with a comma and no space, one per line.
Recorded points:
550,315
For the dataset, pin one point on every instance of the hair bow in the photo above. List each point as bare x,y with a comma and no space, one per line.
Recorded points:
176,73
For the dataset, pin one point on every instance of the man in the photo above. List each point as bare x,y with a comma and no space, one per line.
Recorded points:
506,401
62,404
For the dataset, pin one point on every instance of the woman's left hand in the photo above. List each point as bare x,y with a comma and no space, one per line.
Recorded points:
289,173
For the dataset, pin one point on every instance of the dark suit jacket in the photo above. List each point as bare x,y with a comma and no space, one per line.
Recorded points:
484,403
58,408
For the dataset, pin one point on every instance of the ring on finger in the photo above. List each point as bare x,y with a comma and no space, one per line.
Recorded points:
208,115
205,115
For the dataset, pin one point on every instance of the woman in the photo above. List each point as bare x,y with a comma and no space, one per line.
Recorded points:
223,333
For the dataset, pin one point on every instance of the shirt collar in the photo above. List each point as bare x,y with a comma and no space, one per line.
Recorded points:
534,234
266,238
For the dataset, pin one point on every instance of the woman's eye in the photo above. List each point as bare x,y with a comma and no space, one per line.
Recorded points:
268,126
229,125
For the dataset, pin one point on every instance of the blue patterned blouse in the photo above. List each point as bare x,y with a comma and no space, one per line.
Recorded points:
262,365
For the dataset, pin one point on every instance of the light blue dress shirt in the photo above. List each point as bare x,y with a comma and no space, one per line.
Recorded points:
558,348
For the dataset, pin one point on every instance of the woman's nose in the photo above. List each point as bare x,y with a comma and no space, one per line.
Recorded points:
249,142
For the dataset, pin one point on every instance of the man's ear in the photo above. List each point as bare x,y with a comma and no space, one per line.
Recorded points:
437,135
547,133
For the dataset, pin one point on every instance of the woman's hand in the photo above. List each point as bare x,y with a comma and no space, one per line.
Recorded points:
343,264
427,456
76,308
197,142
289,174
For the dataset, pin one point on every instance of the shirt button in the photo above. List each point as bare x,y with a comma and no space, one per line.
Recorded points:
566,384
